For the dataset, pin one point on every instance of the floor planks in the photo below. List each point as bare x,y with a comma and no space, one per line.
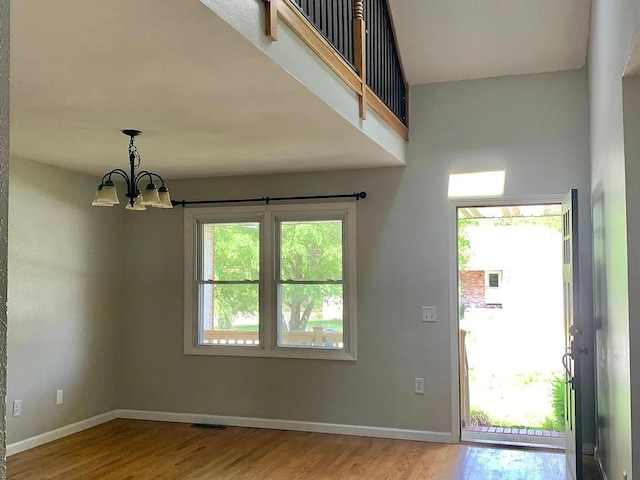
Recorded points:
133,450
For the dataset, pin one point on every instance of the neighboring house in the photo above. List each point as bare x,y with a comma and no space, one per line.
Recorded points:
512,266
481,288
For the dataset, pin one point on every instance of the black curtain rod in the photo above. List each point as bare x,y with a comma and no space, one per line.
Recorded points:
267,200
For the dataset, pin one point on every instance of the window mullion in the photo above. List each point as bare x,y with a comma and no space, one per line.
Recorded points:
228,282
267,322
310,282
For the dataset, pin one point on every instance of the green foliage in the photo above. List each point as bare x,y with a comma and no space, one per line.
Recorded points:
480,418
464,244
551,423
310,251
554,222
236,256
558,391
462,308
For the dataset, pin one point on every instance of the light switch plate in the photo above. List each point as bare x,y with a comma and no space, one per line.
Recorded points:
419,386
59,397
429,314
17,408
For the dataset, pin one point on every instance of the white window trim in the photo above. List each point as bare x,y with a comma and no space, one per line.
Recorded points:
268,215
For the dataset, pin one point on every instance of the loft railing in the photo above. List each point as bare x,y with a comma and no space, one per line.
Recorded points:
384,70
356,39
334,20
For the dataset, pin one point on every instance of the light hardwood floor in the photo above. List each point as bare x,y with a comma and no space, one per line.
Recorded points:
133,449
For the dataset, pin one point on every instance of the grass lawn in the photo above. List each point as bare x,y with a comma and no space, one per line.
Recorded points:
512,367
333,325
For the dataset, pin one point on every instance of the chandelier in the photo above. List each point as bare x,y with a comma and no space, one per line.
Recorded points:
151,196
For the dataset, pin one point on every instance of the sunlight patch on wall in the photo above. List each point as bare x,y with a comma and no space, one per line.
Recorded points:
481,184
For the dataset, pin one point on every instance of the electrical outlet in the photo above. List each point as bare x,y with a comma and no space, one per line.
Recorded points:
419,384
17,408
429,314
59,397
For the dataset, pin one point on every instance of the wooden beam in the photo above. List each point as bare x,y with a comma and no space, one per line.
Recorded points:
465,213
360,52
316,42
386,114
475,212
271,19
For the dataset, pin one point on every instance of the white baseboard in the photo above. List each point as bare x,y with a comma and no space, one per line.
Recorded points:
47,437
274,424
316,427
596,454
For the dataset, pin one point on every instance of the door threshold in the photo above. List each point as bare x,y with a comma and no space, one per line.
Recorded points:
515,438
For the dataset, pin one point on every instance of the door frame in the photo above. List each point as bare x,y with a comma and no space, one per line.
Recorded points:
454,312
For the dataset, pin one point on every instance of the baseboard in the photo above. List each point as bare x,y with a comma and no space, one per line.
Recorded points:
47,437
596,454
274,424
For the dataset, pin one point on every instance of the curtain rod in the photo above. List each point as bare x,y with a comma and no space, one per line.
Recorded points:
267,200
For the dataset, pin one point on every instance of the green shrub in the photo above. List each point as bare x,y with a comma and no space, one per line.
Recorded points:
480,418
549,423
558,402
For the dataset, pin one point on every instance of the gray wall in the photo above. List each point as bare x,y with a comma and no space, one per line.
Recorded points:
631,108
4,182
535,127
64,315
614,28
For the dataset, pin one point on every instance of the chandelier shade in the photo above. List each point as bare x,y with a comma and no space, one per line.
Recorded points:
150,197
165,198
97,200
107,196
136,205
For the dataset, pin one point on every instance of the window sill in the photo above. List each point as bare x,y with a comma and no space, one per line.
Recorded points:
294,353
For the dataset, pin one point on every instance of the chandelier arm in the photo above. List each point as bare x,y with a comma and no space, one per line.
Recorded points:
158,177
146,173
130,193
124,175
119,171
116,171
141,175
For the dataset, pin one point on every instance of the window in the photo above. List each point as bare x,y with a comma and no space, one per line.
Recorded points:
229,283
494,279
271,281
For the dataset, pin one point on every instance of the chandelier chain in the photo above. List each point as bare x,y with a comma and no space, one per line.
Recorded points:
133,150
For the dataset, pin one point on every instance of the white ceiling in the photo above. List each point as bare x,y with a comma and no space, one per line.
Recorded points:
448,40
208,101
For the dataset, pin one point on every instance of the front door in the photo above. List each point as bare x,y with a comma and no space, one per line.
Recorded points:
574,351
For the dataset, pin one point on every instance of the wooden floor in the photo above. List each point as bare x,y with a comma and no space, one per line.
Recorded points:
133,449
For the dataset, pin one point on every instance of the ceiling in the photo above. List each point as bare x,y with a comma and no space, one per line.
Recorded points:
448,40
207,100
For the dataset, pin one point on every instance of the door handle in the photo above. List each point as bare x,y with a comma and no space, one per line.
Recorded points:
565,363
